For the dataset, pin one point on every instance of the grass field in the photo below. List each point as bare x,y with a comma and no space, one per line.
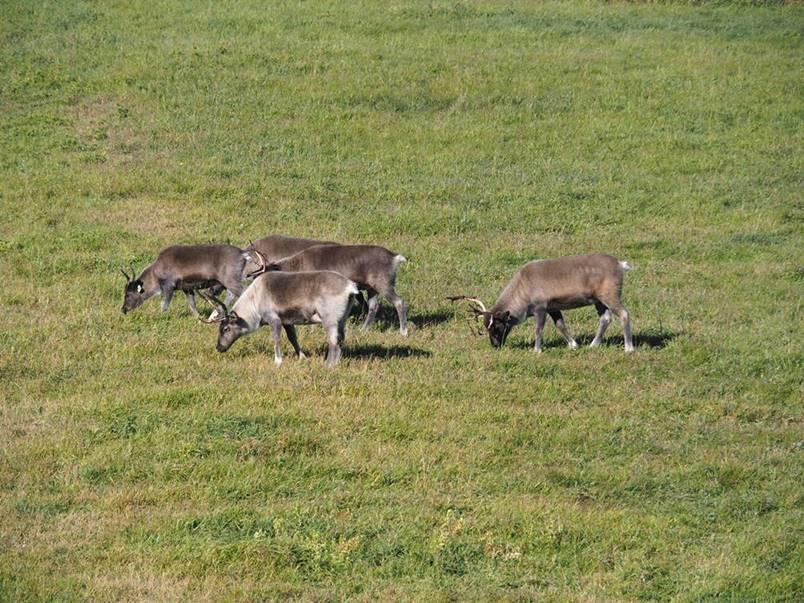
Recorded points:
136,463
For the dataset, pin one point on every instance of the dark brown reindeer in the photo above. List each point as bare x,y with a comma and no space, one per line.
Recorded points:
189,268
286,299
271,249
372,267
546,287
275,247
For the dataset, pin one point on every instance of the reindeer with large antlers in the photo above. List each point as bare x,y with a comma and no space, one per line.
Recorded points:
190,268
545,287
286,299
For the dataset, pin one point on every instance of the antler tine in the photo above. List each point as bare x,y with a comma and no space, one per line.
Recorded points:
474,327
263,263
474,300
128,278
222,311
476,311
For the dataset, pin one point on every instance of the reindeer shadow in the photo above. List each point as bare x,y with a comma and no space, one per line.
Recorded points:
430,319
384,352
387,318
650,338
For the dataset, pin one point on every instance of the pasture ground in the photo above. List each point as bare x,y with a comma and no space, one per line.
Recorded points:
136,463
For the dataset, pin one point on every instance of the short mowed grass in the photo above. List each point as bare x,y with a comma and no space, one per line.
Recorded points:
136,463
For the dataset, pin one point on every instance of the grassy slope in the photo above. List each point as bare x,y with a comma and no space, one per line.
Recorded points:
136,462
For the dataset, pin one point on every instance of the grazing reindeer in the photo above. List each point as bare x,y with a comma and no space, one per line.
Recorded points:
270,249
373,268
188,268
282,299
275,247
545,287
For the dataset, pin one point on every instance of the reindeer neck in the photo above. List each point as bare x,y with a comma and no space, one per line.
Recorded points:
512,300
149,281
246,308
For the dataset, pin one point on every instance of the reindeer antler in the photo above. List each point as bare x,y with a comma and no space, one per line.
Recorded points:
263,263
133,273
223,312
478,309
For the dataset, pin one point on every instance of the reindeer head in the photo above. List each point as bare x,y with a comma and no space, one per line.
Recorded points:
497,324
230,328
134,292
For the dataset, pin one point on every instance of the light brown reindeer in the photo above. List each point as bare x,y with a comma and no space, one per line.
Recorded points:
546,287
286,299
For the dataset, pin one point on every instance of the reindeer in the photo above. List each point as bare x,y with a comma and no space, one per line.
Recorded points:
189,268
545,287
275,247
286,299
372,267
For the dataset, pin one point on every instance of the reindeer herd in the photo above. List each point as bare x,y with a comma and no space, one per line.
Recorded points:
298,281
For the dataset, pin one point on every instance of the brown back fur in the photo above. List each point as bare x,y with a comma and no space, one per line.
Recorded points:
370,266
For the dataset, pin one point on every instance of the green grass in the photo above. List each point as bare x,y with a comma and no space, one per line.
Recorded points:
136,463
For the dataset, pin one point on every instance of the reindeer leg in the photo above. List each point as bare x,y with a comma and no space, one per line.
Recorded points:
191,303
333,350
616,307
558,318
541,317
373,305
276,331
401,310
291,333
605,319
625,318
167,294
